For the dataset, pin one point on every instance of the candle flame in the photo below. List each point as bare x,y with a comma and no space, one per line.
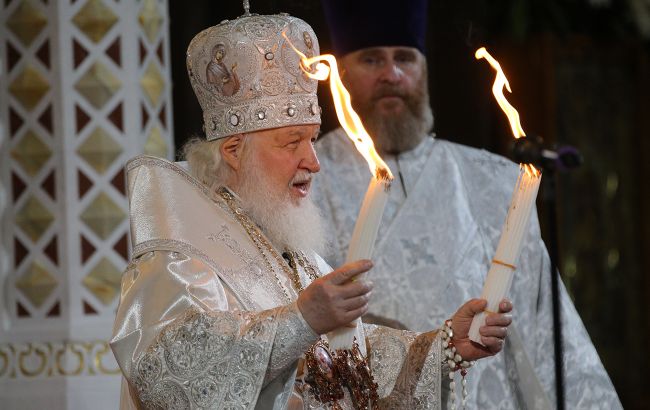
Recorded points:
513,116
349,119
497,89
530,170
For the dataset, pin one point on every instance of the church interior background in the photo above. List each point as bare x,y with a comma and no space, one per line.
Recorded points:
87,84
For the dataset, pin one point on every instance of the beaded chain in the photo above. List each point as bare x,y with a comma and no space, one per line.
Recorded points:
265,248
452,359
292,257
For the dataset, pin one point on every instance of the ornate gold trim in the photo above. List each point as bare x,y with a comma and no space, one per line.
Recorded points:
25,366
53,359
5,363
60,354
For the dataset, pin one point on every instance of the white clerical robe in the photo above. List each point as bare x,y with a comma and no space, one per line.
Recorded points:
207,319
439,233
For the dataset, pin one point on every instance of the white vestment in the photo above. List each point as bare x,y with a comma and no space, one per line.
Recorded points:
207,319
438,235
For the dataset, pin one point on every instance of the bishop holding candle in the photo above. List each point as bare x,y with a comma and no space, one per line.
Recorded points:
226,302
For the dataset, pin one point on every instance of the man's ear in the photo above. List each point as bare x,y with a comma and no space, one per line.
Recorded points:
231,150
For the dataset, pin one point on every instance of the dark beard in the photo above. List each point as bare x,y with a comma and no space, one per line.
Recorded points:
401,132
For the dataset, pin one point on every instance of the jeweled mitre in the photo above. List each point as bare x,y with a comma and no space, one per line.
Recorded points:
247,77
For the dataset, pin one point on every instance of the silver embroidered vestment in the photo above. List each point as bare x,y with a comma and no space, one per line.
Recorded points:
203,322
437,238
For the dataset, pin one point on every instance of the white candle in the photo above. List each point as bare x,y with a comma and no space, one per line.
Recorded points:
499,277
367,225
372,208
361,247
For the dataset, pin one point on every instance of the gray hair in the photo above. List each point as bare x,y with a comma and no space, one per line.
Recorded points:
204,160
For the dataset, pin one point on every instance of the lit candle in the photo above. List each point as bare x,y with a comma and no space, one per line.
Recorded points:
503,267
361,245
372,208
367,225
499,277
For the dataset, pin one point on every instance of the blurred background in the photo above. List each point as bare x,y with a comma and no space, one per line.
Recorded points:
580,75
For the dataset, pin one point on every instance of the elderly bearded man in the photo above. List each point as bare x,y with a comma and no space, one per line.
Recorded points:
444,215
225,293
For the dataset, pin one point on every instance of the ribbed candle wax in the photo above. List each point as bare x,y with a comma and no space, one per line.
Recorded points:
502,270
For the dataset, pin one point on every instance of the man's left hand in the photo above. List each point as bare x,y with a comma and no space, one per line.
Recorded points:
493,333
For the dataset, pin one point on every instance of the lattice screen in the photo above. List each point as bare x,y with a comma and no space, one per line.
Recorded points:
84,86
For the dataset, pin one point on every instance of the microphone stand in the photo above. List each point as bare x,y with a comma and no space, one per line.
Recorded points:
530,150
549,197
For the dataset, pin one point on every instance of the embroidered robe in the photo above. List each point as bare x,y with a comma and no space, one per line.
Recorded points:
208,320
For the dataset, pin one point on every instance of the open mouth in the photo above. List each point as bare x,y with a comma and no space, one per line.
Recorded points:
301,188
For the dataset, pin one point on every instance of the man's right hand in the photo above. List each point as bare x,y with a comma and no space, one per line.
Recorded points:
333,300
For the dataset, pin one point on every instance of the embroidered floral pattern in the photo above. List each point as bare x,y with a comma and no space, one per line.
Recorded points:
208,360
407,367
202,359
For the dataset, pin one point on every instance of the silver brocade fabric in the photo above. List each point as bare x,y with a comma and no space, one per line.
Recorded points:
203,323
247,76
437,238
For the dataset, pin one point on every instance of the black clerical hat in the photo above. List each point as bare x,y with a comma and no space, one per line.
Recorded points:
357,24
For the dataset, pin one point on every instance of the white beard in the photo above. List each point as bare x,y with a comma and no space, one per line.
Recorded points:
288,226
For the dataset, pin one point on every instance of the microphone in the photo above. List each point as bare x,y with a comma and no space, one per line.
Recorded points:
531,150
